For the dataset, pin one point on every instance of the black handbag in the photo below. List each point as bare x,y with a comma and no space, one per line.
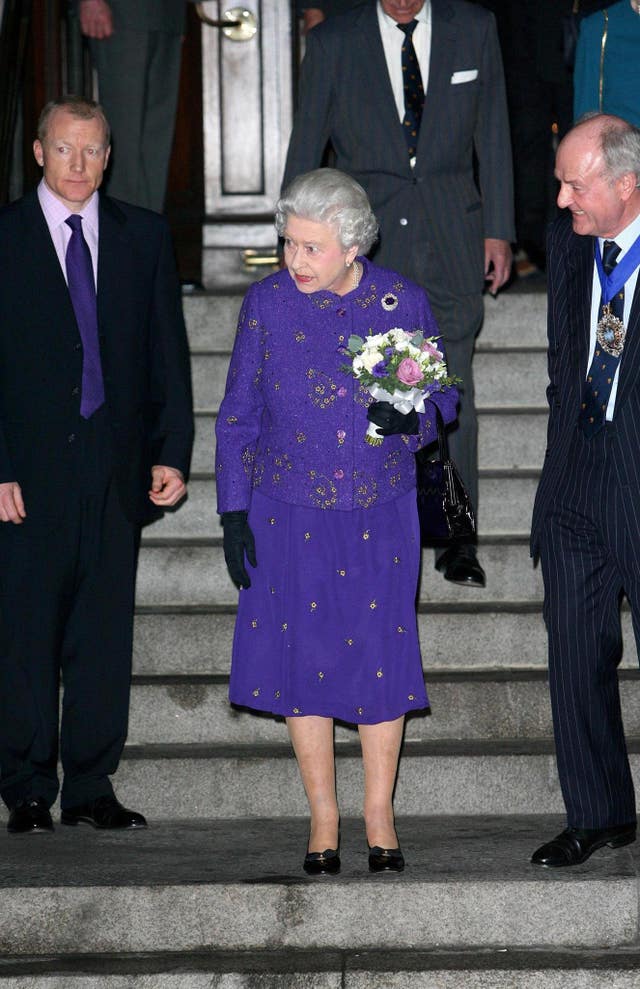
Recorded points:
444,507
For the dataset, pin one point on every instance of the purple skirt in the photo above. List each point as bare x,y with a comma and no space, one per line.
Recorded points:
328,626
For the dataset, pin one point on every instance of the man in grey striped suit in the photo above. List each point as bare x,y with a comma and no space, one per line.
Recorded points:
586,520
443,201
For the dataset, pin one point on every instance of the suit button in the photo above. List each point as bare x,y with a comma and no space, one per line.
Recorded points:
78,346
71,437
403,221
75,391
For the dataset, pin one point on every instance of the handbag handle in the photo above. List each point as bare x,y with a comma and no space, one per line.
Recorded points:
443,442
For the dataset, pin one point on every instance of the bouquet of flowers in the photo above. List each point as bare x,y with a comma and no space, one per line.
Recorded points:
398,367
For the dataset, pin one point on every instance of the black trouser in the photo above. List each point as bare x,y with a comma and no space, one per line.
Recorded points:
66,606
590,554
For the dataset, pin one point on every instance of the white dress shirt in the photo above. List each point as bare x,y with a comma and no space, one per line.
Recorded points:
624,240
392,42
55,213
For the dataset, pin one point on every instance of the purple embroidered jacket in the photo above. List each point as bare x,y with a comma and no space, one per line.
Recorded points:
292,422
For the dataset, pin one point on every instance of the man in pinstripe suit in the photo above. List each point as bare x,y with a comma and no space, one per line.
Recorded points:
586,520
444,222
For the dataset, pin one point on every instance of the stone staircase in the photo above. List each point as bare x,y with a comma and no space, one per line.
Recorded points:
213,894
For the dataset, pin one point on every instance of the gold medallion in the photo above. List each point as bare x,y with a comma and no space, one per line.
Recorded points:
611,332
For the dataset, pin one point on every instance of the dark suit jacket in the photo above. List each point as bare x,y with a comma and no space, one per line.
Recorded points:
346,97
570,273
143,346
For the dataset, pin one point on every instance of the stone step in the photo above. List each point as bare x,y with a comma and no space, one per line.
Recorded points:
506,504
511,320
485,706
184,643
211,320
507,438
210,886
193,574
322,968
502,378
439,777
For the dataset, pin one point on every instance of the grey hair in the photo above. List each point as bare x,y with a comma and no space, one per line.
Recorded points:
619,143
327,195
77,107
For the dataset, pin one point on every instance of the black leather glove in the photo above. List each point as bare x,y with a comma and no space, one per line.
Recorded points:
390,421
238,540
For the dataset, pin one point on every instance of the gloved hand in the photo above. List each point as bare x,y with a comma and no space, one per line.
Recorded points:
238,540
390,421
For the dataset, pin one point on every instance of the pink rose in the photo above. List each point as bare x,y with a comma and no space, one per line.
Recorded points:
409,372
428,348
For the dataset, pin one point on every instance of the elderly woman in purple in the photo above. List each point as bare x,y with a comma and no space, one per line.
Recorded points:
326,624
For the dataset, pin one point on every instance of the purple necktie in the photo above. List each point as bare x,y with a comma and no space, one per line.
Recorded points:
83,297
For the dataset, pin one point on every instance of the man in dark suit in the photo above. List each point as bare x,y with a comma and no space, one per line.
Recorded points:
435,161
136,48
95,439
586,520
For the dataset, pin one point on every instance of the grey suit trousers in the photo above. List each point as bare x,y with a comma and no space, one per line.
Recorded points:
138,79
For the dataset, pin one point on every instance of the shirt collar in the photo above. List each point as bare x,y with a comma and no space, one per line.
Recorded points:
55,211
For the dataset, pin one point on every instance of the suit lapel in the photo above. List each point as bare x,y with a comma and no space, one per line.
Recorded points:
580,276
630,362
441,66
115,264
51,283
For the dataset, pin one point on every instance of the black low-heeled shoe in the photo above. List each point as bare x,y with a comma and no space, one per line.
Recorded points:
322,863
385,859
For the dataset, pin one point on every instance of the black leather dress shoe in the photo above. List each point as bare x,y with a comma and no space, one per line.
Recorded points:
385,859
575,845
325,863
104,812
30,816
459,564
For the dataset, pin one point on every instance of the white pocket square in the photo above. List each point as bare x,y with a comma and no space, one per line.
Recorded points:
466,75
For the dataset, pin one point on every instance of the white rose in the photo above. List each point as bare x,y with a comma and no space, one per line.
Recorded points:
370,357
396,335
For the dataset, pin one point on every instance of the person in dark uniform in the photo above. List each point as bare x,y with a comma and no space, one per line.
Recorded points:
96,431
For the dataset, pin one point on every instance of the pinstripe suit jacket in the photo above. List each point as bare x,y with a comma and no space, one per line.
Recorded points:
570,274
433,219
